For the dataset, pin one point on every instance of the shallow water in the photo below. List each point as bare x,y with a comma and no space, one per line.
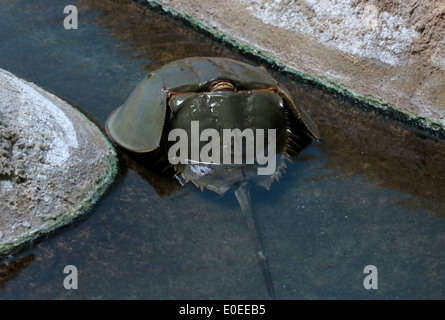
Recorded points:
371,193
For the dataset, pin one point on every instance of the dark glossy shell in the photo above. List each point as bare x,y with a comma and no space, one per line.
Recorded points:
138,124
255,109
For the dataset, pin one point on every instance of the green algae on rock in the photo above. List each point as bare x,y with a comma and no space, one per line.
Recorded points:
54,163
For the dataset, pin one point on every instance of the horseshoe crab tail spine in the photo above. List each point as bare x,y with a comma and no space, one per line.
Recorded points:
243,196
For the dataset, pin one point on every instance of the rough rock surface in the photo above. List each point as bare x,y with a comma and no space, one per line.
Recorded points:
388,53
54,162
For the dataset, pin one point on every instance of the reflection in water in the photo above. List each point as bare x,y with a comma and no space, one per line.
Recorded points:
12,269
396,157
146,35
363,143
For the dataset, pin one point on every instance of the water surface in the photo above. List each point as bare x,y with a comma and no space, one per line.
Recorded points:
371,193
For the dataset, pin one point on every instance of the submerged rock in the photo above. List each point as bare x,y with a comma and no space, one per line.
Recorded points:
54,162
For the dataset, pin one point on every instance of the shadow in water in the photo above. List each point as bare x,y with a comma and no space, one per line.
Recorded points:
12,269
147,167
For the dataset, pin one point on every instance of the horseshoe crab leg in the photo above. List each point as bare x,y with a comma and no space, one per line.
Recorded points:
243,196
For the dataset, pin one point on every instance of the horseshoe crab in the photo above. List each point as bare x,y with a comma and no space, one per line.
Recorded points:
216,94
